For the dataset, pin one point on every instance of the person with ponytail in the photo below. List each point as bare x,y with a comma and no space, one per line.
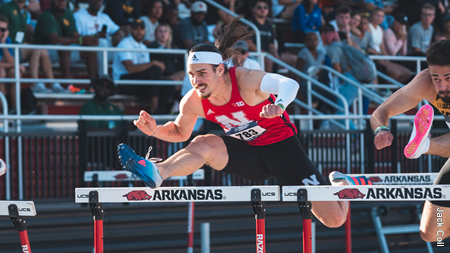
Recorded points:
259,142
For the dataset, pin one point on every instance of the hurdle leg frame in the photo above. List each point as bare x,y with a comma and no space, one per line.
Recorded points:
259,209
21,226
305,210
97,212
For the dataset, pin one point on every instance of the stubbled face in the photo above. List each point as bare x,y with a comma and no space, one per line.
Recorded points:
138,33
197,17
441,80
203,78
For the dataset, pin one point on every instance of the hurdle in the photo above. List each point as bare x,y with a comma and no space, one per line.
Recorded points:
16,210
254,194
305,194
125,176
394,179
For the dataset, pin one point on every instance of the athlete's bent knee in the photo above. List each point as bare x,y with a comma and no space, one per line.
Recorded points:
203,144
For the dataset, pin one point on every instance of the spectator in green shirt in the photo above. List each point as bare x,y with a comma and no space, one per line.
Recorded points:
17,15
57,26
100,105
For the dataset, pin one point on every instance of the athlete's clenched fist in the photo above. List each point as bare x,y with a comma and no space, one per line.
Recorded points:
146,123
383,139
271,111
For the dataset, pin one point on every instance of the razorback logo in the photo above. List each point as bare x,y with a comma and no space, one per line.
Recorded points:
350,194
121,176
137,195
142,162
375,179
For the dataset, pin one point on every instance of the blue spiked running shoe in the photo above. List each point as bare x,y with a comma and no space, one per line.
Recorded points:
358,180
143,168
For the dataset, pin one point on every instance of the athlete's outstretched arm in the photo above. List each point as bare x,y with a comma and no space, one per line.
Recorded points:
421,87
173,131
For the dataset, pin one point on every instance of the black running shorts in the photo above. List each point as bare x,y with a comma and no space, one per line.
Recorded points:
285,160
443,178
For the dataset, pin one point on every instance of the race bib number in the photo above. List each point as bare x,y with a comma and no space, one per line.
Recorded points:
247,132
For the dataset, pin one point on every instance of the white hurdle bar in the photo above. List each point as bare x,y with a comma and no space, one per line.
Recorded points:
15,210
305,194
254,194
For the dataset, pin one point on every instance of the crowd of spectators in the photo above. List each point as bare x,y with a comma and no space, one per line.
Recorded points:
374,27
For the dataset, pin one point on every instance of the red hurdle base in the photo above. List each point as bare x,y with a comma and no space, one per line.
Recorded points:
260,235
97,212
25,242
348,232
21,226
98,236
307,236
259,209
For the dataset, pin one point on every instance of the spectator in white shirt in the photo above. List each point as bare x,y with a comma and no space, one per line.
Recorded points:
152,11
91,22
136,65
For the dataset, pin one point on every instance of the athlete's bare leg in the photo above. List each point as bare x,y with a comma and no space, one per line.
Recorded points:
211,150
331,213
435,222
206,149
440,146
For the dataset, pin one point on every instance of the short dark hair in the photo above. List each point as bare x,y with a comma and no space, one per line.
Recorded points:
343,9
438,53
4,19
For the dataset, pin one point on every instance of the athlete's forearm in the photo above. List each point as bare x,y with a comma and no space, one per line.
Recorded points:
286,88
170,132
380,117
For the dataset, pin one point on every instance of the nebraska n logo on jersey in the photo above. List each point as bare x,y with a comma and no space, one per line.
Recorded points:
239,119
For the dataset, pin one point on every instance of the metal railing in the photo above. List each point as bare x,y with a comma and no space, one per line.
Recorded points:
104,50
418,60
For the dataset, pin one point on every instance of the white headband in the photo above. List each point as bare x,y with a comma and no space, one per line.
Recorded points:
204,57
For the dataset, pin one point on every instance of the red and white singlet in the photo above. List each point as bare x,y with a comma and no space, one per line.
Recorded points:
244,122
